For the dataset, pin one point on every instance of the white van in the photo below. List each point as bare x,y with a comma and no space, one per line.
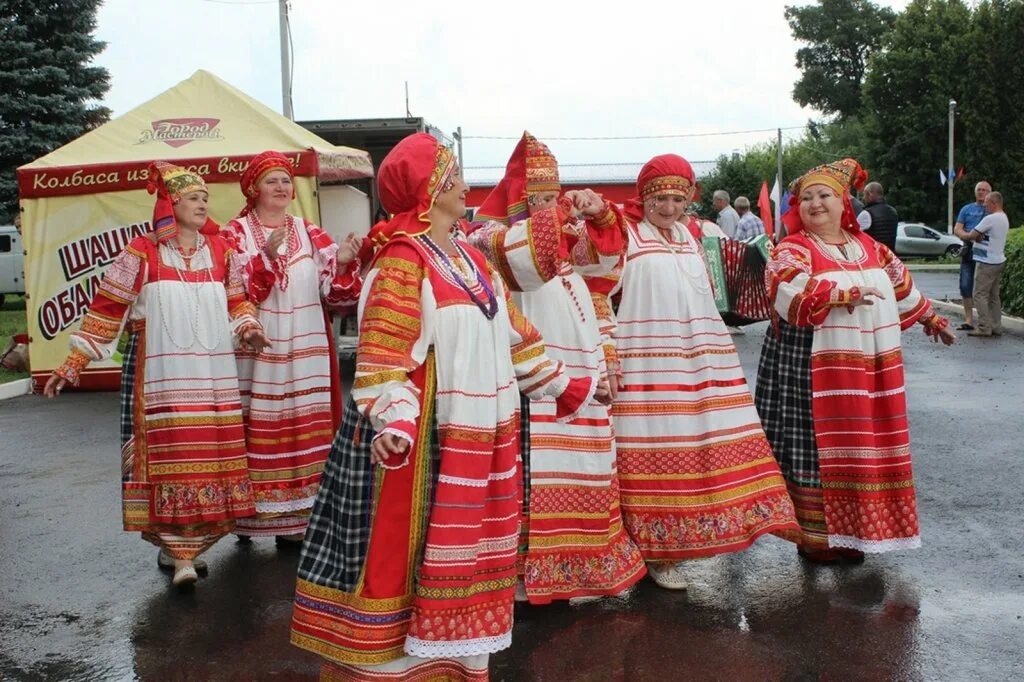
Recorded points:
12,262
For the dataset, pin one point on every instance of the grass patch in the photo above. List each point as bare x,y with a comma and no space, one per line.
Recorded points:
12,321
931,260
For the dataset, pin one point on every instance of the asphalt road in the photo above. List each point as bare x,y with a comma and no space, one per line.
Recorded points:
82,600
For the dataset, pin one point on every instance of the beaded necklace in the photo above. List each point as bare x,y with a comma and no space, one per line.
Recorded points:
280,263
837,252
194,299
700,282
453,275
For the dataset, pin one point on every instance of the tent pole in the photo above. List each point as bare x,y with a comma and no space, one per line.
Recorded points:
286,61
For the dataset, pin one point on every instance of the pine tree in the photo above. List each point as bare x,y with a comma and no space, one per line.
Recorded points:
50,92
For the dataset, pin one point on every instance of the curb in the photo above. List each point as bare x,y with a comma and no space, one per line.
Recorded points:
15,389
1011,325
937,267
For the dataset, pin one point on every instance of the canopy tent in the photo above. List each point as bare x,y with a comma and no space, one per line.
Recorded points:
85,201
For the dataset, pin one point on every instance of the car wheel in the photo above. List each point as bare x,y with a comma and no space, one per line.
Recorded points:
953,251
1,300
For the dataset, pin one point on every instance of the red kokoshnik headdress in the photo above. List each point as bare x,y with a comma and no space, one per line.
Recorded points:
259,166
531,169
170,183
410,178
664,174
841,177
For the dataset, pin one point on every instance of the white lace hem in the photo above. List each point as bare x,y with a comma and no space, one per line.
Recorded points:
290,505
873,546
422,648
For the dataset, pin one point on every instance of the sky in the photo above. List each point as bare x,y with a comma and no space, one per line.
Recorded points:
557,69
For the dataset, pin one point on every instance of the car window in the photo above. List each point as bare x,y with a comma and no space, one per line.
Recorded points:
913,231
931,234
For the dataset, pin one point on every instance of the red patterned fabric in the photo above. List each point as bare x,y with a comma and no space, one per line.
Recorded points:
410,178
840,177
531,168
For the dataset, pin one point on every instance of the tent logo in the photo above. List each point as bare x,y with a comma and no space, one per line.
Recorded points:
177,132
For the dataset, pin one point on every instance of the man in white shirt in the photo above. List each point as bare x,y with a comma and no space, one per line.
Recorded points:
728,218
989,259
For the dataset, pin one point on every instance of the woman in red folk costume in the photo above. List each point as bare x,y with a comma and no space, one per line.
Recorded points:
442,358
830,386
291,394
574,545
698,477
178,292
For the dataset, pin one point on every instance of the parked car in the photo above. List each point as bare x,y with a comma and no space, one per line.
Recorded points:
12,280
915,239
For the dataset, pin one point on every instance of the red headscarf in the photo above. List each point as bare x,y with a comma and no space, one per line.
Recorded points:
664,174
410,178
170,183
841,177
531,169
258,167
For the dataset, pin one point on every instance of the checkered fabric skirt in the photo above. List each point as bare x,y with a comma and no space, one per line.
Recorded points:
338,533
783,400
128,387
524,448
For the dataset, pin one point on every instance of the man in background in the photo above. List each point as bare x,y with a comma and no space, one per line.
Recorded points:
989,238
968,218
749,225
878,218
727,216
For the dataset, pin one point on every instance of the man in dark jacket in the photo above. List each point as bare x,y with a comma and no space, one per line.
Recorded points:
878,218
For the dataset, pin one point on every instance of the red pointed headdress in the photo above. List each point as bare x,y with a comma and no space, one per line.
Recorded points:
531,169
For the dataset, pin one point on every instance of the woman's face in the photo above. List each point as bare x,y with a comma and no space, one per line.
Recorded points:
820,208
275,190
452,199
190,210
541,201
664,210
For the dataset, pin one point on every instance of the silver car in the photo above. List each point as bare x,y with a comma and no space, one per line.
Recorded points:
915,239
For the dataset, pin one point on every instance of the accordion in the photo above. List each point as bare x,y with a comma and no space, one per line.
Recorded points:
737,269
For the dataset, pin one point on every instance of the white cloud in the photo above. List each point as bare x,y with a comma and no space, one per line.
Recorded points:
555,68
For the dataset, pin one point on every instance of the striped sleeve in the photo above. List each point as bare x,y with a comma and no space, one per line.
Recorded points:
101,328
800,298
913,306
392,343
241,311
537,374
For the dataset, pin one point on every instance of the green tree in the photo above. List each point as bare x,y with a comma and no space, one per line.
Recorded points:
907,93
841,36
991,130
51,92
742,174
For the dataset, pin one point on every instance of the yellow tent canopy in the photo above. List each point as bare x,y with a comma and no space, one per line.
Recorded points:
85,201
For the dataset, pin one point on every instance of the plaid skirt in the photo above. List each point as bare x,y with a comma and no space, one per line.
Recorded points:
783,400
128,387
338,534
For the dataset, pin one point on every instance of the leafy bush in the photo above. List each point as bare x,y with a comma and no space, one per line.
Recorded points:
1012,286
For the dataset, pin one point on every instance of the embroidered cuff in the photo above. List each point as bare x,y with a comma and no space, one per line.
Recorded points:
606,218
934,323
71,369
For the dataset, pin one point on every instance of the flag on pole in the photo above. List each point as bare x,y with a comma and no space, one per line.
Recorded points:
942,177
764,205
775,190
960,173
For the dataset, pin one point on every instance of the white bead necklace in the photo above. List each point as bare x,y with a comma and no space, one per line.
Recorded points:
700,282
194,298
836,253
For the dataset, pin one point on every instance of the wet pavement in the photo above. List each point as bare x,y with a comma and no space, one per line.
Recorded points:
81,600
